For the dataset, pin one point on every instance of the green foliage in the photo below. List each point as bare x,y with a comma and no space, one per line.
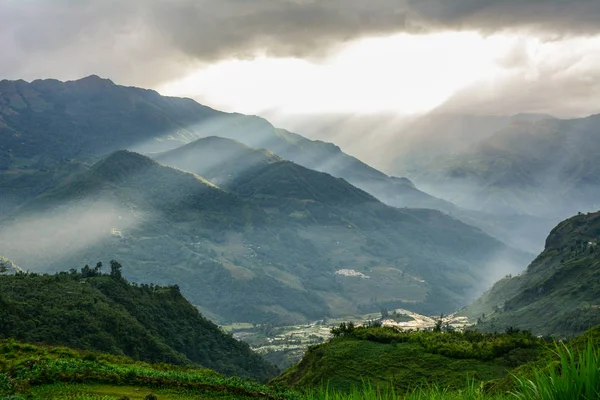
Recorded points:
89,310
385,356
575,377
31,366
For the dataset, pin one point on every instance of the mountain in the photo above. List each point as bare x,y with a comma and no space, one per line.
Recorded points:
545,167
93,311
282,244
558,293
218,159
46,121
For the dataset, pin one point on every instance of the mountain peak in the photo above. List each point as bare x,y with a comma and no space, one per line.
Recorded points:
122,164
94,81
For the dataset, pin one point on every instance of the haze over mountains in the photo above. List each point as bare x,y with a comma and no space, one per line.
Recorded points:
277,237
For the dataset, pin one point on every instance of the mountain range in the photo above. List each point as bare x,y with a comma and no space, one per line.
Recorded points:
241,214
282,243
543,167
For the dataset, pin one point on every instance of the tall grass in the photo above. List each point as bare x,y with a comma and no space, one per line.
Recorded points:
576,376
472,391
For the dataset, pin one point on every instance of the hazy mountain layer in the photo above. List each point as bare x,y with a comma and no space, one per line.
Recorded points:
545,168
283,243
559,292
46,121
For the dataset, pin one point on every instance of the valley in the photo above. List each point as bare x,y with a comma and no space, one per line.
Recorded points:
285,345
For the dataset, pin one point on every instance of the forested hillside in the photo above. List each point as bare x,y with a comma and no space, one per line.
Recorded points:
96,309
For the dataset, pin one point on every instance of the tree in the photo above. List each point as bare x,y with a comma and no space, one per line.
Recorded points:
98,267
438,324
384,314
115,269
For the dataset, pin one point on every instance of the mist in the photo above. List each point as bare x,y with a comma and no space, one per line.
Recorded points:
45,239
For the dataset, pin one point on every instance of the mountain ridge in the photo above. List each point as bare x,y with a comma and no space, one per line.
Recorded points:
557,294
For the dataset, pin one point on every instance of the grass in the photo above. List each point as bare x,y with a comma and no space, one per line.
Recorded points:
576,376
36,373
51,372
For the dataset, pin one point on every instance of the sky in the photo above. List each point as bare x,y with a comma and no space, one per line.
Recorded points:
307,57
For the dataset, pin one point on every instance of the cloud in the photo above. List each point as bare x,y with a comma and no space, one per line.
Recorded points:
555,17
146,41
559,78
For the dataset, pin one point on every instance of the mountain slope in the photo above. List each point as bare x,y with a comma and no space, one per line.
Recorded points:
89,310
45,121
284,244
558,293
218,159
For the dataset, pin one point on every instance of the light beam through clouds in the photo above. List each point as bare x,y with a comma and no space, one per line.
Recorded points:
401,73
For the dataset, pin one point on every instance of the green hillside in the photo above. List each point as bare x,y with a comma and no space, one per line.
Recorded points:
285,180
286,244
558,293
93,311
19,186
384,356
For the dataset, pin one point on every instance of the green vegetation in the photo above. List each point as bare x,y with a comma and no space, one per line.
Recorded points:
94,311
560,371
45,372
384,356
558,293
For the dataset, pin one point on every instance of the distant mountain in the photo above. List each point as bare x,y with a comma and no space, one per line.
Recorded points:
94,311
283,243
559,292
546,167
46,121
217,159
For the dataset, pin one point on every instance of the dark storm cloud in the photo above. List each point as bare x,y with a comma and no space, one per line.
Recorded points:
144,40
556,17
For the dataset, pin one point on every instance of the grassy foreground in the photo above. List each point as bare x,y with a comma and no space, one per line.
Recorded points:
41,372
35,372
